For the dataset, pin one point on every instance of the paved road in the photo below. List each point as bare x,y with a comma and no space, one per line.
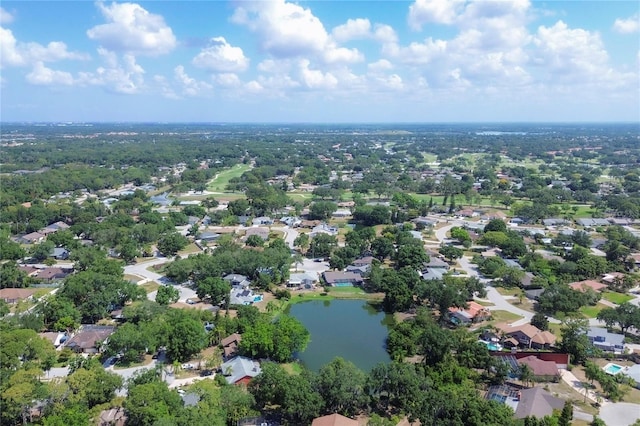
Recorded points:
140,269
620,413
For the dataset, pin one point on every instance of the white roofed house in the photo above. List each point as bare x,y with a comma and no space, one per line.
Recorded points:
303,279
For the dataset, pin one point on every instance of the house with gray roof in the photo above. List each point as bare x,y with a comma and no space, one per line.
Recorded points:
602,339
342,279
302,279
537,402
634,373
240,370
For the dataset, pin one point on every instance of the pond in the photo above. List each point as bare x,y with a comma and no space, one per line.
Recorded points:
351,329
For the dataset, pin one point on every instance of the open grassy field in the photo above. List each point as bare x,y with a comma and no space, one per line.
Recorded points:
189,249
504,316
617,298
219,183
592,311
150,286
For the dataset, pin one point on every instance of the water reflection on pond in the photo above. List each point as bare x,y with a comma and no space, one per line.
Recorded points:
351,329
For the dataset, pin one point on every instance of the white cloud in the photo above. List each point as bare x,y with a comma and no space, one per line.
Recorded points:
132,29
284,29
316,79
570,53
433,11
287,30
253,87
15,53
5,16
190,86
385,34
227,80
353,29
627,26
220,56
381,65
417,53
335,54
43,76
125,78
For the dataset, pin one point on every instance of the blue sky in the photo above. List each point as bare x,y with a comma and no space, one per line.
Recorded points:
320,61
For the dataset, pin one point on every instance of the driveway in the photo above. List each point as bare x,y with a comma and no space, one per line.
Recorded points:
620,413
140,269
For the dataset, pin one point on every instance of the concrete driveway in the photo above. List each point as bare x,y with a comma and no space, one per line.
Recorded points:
620,413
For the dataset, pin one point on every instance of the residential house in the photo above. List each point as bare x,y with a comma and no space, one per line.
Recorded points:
32,238
240,370
260,232
424,221
586,284
612,277
51,274
543,371
31,271
588,222
304,279
262,220
113,417
56,338
291,221
534,293
537,402
474,312
90,338
14,295
342,279
554,222
209,236
324,228
230,345
602,339
434,269
334,420
59,253
634,373
361,266
237,280
241,296
530,336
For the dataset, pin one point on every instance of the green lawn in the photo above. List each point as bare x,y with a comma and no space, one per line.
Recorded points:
150,286
504,316
592,311
219,183
617,298
189,249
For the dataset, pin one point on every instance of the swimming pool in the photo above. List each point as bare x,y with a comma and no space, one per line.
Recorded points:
492,346
257,298
612,369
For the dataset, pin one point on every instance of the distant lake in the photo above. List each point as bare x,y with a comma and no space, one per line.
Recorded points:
351,329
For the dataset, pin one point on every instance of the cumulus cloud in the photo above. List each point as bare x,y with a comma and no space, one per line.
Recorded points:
190,86
124,76
15,53
353,29
284,29
5,17
132,29
287,30
316,79
220,56
433,11
627,26
43,76
570,53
